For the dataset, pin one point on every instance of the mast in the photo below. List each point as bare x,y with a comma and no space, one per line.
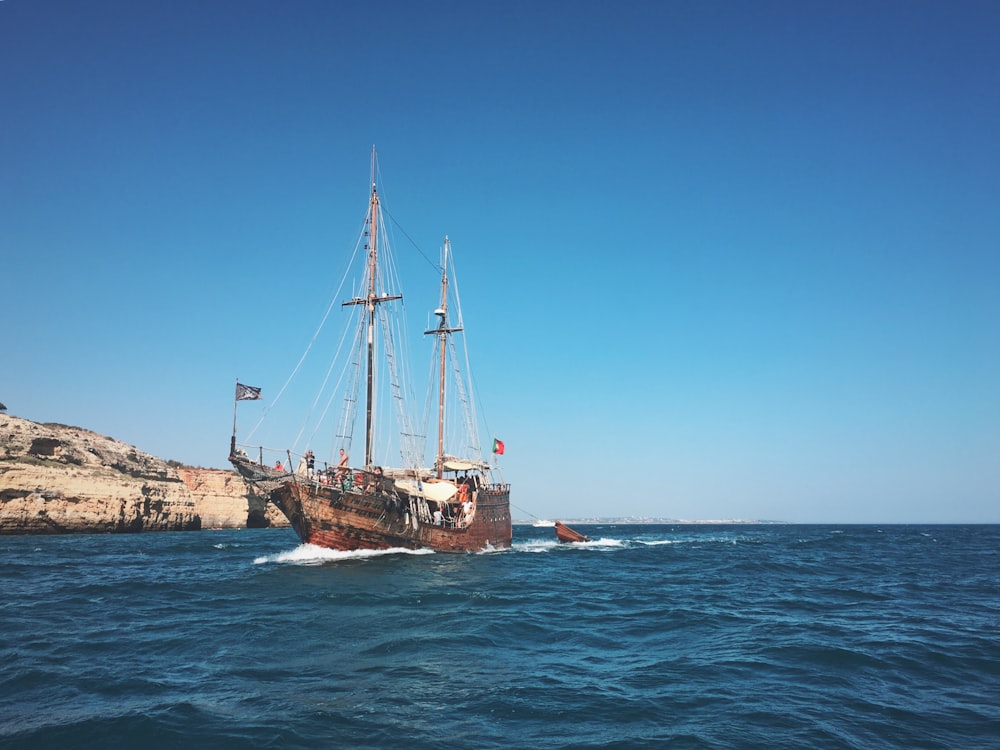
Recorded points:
372,266
442,332
371,301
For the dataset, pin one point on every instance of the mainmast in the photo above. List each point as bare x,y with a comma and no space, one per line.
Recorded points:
371,301
442,332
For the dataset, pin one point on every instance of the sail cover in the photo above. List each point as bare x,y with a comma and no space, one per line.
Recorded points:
439,492
457,464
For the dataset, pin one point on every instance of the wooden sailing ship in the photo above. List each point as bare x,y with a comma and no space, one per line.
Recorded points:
455,505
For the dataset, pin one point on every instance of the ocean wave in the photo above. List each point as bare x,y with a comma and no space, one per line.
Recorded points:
311,554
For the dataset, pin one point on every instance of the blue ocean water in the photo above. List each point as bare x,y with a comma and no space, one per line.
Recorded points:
685,636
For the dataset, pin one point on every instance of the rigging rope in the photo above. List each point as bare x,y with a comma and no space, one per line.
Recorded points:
393,332
312,341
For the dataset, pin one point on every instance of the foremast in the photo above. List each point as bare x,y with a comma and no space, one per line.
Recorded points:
442,331
371,301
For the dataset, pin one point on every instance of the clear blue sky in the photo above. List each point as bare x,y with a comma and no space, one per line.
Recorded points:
718,259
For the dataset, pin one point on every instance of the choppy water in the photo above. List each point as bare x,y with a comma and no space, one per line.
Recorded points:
651,636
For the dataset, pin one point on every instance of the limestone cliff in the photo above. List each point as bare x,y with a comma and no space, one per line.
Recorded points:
222,501
57,479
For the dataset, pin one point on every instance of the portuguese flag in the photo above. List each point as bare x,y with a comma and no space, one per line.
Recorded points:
498,446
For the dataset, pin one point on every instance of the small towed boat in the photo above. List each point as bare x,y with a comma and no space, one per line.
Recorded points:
565,534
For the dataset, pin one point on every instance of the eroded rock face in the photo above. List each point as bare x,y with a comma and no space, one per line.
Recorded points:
222,501
56,479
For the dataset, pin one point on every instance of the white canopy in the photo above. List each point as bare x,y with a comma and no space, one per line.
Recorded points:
439,492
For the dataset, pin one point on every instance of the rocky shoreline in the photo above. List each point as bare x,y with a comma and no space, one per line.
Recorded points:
58,479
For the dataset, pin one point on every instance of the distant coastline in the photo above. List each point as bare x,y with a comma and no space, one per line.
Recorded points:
628,520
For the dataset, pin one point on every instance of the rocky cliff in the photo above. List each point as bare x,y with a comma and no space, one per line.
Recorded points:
56,479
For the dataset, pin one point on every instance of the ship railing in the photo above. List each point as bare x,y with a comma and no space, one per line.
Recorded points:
348,478
274,460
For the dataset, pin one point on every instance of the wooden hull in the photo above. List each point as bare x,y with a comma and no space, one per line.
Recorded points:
379,518
565,534
352,520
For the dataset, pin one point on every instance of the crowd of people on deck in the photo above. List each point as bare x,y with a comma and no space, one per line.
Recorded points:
450,516
454,512
459,513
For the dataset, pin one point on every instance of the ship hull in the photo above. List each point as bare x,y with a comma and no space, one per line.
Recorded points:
352,520
347,519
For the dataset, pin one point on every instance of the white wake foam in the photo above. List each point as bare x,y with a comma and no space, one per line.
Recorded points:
311,554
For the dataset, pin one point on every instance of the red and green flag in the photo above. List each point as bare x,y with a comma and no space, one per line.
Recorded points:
498,446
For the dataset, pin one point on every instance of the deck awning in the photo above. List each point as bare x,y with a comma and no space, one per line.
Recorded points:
460,464
439,492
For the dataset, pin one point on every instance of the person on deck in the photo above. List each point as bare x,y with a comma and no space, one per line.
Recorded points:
342,464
